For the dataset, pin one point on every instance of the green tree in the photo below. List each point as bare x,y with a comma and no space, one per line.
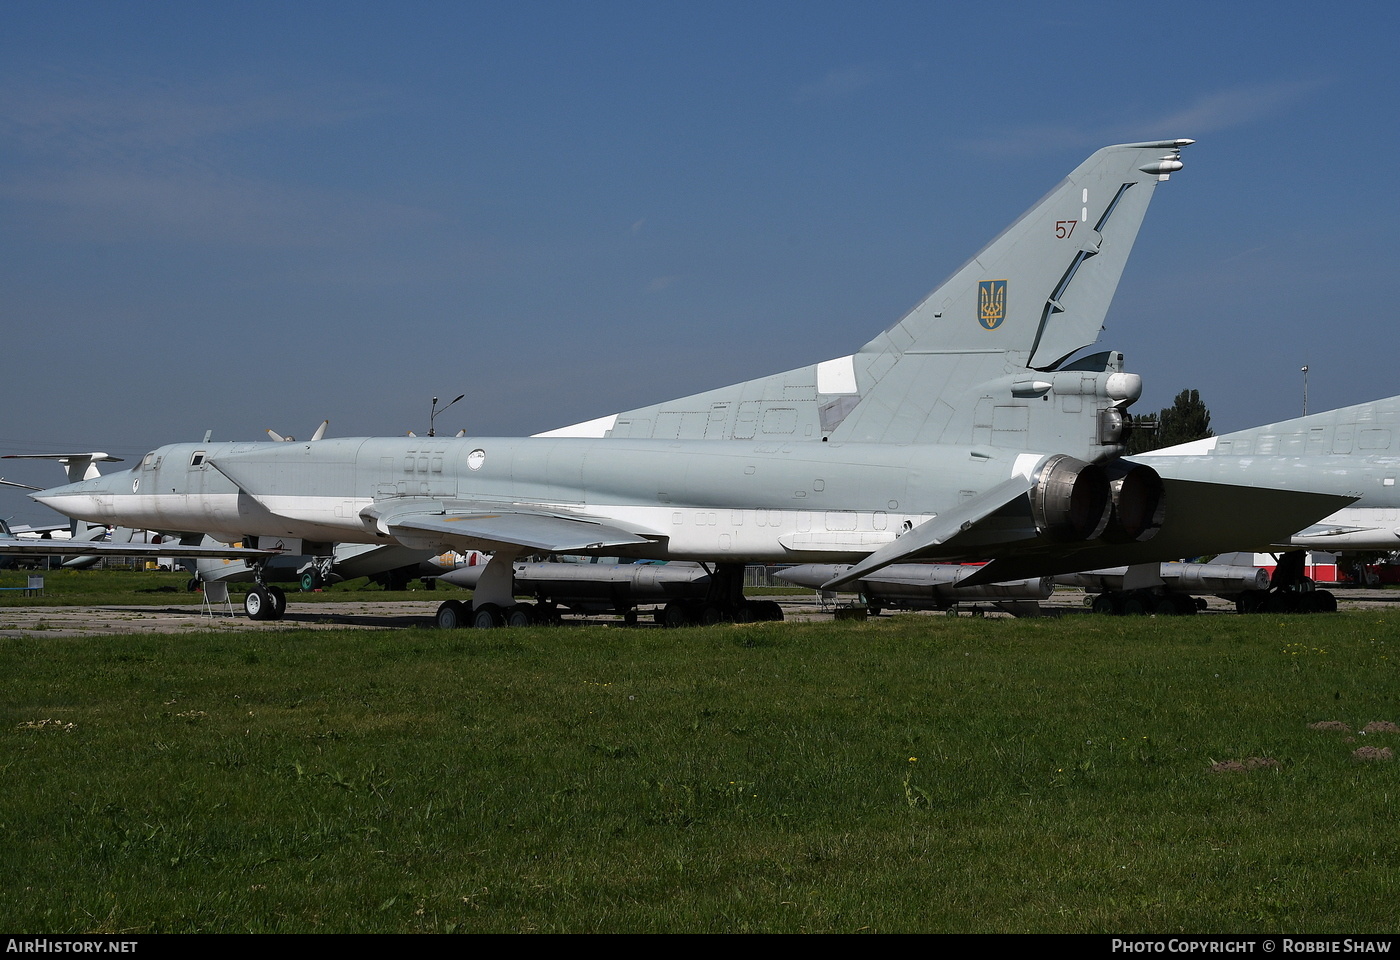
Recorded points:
1185,420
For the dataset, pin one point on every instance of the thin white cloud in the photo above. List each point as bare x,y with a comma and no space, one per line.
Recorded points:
1221,110
840,85
157,162
1237,106
84,120
106,205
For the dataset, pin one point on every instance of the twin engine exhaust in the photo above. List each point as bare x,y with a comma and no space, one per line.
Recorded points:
1117,501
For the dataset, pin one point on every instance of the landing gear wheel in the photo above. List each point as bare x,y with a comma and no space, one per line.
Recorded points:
451,615
279,603
520,615
192,585
1186,606
258,604
675,615
1104,605
1251,601
488,616
310,580
1326,601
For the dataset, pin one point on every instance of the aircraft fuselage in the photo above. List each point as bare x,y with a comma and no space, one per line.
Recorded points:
694,499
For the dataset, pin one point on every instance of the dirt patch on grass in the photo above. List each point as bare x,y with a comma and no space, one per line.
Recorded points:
1380,726
1245,766
1373,753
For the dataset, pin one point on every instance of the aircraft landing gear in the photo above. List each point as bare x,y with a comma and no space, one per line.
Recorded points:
451,615
1138,603
724,603
265,603
456,615
1289,590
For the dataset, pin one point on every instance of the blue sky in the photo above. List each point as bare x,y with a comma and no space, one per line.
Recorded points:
234,216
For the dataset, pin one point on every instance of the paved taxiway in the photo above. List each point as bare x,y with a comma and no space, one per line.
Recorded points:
398,614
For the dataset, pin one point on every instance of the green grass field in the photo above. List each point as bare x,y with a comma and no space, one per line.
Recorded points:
906,774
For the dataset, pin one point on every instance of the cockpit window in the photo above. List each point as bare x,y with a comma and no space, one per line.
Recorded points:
147,460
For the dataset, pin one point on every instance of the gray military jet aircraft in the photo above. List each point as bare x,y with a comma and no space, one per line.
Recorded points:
1353,449
962,432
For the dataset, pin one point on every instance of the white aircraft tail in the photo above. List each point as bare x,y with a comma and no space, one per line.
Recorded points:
977,359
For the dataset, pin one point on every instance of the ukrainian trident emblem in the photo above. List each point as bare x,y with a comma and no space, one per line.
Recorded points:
991,303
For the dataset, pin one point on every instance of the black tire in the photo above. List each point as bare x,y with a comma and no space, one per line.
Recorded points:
279,602
257,604
488,616
520,615
675,615
451,615
1104,605
1251,601
765,611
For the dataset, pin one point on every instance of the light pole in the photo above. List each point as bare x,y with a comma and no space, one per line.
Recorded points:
1305,391
432,417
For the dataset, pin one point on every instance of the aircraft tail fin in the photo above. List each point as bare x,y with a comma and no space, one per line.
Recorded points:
77,466
974,361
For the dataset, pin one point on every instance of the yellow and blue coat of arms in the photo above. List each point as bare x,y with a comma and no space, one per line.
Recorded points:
991,303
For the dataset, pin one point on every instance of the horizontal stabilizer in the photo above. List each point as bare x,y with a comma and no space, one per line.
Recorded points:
1200,518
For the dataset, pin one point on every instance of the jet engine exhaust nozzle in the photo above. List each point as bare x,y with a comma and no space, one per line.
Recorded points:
1139,502
1071,500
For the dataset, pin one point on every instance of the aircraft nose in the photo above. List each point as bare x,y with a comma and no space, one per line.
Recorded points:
85,500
